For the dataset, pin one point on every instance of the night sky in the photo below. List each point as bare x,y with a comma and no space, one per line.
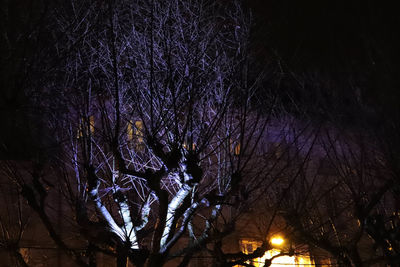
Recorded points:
338,50
338,57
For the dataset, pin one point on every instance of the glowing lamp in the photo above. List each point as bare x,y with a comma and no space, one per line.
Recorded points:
277,241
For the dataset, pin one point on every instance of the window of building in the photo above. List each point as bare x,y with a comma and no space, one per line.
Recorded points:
130,131
139,131
135,132
86,125
234,147
186,145
248,247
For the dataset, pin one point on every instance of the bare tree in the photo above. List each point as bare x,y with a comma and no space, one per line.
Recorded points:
14,219
157,112
345,206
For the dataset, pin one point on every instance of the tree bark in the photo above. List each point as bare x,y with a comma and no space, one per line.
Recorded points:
156,260
92,256
122,261
122,256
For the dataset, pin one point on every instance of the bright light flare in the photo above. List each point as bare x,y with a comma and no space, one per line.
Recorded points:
277,240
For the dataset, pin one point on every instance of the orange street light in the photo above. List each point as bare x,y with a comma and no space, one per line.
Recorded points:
277,240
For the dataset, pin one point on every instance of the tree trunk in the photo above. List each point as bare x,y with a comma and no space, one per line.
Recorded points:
356,259
186,259
122,261
156,260
92,255
122,256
